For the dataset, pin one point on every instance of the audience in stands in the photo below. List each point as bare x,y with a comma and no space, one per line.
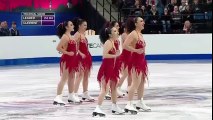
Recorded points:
187,29
13,30
166,21
5,31
170,15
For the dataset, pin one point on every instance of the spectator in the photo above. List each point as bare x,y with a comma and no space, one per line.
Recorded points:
208,10
151,2
197,7
171,5
187,14
166,21
137,10
183,5
198,11
187,29
154,20
1,33
176,18
143,10
14,31
160,7
4,29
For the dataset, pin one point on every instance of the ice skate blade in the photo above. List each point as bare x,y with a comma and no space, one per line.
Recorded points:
71,102
131,111
116,113
56,103
87,100
143,110
94,114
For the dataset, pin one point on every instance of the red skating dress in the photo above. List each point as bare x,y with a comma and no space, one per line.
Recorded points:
86,63
138,61
117,68
106,70
70,61
125,58
117,44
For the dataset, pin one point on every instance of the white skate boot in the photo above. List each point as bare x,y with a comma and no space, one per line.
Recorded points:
120,93
87,97
58,100
73,99
107,96
142,106
130,108
98,112
77,97
117,110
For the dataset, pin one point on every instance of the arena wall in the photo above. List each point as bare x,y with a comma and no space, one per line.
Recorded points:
42,49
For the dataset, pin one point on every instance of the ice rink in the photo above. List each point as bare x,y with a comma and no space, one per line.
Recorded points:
178,90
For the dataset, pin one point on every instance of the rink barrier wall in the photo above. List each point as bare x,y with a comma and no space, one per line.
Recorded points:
42,49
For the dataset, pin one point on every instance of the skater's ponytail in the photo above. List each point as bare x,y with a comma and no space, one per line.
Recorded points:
61,28
104,34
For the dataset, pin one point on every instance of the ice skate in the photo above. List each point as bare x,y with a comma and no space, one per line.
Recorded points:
142,106
98,112
108,97
73,99
87,97
130,108
120,93
58,101
117,110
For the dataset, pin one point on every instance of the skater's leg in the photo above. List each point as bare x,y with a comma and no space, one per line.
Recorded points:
136,80
79,76
98,110
64,76
141,104
86,95
115,108
134,86
63,80
86,81
104,89
72,97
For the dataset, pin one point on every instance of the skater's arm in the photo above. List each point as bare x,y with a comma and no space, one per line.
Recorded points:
123,38
78,38
131,41
62,46
107,47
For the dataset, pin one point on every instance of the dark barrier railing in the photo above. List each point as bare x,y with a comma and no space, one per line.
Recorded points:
106,10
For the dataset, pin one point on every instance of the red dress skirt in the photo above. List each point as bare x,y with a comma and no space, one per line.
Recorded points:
117,68
86,63
138,61
69,61
125,58
106,71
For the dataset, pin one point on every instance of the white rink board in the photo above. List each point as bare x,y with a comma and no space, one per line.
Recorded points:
158,44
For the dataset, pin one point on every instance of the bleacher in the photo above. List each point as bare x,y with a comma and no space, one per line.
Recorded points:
197,12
